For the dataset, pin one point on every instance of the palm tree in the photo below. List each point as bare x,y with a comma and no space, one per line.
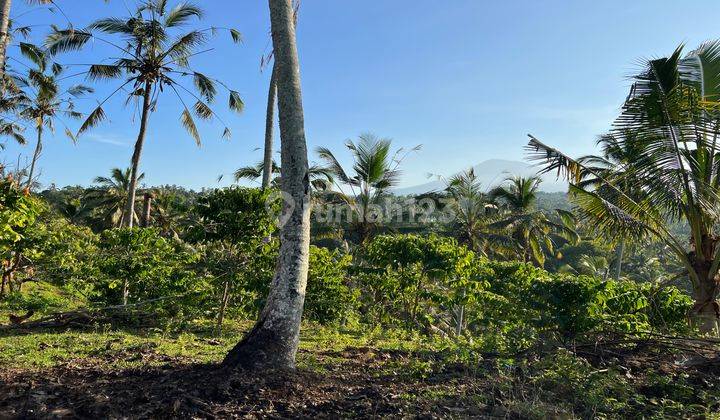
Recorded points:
42,102
5,25
109,196
519,195
375,171
530,232
615,162
273,341
270,111
672,113
151,63
321,178
472,209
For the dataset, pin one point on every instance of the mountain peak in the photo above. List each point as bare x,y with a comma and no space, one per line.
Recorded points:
491,173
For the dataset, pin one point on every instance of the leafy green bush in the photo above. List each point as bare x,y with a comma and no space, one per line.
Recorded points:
419,280
573,305
236,214
62,253
328,299
142,265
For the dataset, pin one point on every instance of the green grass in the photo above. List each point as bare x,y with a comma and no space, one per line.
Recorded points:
430,372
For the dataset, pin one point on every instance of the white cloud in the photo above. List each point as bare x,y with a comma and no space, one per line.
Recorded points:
109,139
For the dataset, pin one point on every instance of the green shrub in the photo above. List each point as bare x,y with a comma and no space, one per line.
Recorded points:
328,299
239,215
420,280
143,262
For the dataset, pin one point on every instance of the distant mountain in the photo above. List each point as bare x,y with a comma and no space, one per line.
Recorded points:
491,173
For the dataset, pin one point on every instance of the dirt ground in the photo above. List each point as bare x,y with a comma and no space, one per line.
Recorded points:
363,382
173,389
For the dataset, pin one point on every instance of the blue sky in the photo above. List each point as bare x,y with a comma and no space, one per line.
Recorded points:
467,79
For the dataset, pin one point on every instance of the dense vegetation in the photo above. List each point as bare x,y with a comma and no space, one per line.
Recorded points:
474,300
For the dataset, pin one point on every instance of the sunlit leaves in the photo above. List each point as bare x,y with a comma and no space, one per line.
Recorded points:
181,14
189,124
203,111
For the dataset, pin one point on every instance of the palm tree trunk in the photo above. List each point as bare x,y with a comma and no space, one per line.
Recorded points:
129,214
706,311
619,251
36,156
5,6
147,208
269,127
273,341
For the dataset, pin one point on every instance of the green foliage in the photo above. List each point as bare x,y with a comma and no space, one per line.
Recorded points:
569,306
328,299
149,265
248,275
18,211
41,297
417,278
240,215
62,253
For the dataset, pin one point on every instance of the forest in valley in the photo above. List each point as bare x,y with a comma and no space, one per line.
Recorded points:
309,288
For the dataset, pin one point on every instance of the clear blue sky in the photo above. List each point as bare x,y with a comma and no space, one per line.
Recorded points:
467,79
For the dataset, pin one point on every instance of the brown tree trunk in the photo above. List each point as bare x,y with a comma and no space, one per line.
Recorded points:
706,311
36,156
269,127
147,208
5,6
129,215
273,341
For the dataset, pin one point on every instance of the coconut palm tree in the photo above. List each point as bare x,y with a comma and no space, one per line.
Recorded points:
267,175
156,50
375,171
530,232
673,109
473,210
273,341
615,162
109,196
5,26
519,194
42,101
321,178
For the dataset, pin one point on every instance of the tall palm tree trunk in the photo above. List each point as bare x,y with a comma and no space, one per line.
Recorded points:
129,213
269,127
619,251
273,341
5,6
36,156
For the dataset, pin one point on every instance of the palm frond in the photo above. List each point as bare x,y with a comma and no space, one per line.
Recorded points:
189,124
236,104
181,14
95,118
104,71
